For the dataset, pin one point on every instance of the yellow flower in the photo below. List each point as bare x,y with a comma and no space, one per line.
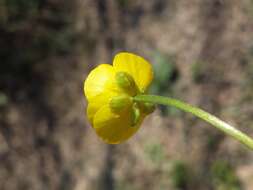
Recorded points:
110,89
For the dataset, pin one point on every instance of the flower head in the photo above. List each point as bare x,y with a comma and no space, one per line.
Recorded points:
110,89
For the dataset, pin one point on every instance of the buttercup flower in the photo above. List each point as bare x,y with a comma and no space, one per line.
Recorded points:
110,89
118,103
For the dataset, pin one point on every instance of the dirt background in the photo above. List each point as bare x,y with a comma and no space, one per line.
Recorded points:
48,48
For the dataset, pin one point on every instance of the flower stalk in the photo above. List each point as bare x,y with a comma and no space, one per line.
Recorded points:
214,121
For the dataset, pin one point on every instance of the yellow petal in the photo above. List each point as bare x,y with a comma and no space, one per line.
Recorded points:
114,128
140,69
96,103
100,80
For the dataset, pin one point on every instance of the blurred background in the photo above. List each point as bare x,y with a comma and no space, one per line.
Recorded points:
202,53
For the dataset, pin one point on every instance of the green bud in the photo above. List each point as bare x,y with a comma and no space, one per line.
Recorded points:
136,114
120,103
126,82
147,107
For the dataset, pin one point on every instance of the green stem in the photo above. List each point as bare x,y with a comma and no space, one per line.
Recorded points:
216,122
